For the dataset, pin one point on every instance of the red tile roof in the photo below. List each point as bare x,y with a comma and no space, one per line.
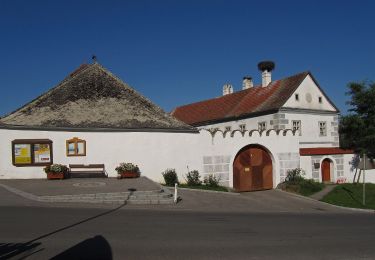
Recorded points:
242,103
323,151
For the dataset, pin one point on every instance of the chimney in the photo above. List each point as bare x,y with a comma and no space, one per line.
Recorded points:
227,89
247,82
266,67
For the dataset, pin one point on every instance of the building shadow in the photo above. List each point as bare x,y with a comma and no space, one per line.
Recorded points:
92,248
23,250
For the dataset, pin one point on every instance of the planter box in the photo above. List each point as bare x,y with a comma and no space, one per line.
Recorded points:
51,176
129,175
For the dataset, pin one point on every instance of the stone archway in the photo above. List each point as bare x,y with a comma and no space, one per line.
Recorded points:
252,169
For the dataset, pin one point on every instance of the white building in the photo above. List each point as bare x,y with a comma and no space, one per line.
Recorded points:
249,138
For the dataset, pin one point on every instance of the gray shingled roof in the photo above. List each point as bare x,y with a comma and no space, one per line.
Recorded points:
93,98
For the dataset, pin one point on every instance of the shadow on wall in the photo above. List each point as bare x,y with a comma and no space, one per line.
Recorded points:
92,248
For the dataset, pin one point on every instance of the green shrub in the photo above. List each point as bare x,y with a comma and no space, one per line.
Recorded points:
295,175
193,178
170,177
211,180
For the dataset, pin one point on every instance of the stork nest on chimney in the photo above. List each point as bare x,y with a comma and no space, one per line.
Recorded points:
266,65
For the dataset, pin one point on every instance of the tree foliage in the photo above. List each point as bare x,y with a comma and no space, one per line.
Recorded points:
357,129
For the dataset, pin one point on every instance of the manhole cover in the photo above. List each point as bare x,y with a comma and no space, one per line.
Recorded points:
89,184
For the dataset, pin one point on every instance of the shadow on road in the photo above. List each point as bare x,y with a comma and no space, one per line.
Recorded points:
9,250
92,248
23,250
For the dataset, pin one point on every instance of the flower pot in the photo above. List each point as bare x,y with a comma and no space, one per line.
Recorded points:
51,175
129,175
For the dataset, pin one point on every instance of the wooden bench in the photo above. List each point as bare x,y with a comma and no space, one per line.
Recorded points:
88,170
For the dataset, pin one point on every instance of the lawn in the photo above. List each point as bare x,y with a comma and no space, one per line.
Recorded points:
350,195
303,187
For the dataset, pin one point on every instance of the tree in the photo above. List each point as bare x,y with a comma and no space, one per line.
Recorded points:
357,129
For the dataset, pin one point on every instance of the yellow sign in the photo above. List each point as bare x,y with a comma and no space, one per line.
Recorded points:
22,153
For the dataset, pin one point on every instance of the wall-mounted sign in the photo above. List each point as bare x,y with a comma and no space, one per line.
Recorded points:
32,152
22,153
42,153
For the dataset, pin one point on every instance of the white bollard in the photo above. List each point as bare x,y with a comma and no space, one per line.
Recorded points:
175,193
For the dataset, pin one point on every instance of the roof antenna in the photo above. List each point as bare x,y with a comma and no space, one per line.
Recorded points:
94,58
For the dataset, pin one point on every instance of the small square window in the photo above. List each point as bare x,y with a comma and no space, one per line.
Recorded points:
320,100
75,147
262,126
242,127
228,128
296,96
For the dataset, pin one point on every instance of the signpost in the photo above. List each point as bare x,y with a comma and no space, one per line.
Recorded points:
364,179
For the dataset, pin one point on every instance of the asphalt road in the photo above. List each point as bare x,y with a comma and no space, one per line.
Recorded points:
281,231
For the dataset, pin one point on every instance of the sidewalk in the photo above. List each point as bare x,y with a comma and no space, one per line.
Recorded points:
91,190
320,195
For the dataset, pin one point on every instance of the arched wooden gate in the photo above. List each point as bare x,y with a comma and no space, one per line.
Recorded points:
252,169
326,170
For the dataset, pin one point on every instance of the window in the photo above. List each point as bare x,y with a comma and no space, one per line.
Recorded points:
322,128
228,128
262,126
75,147
296,96
296,125
32,152
242,127
214,129
320,100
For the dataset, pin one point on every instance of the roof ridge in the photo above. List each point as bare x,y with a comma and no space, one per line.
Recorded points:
242,90
123,83
63,82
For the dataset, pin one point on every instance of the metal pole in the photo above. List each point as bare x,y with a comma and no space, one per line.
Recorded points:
364,179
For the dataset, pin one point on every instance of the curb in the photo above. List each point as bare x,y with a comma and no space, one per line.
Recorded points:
206,191
325,203
147,197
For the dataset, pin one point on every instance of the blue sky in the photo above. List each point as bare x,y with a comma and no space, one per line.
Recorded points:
178,52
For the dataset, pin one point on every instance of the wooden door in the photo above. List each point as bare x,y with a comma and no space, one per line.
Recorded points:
252,169
326,170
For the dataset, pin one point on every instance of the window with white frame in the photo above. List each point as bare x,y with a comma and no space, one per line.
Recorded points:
242,127
296,125
322,128
296,96
262,126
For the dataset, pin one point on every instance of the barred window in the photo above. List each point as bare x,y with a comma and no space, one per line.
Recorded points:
262,126
296,125
322,128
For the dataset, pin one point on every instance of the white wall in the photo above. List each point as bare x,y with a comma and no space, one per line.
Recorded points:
309,94
310,131
153,152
